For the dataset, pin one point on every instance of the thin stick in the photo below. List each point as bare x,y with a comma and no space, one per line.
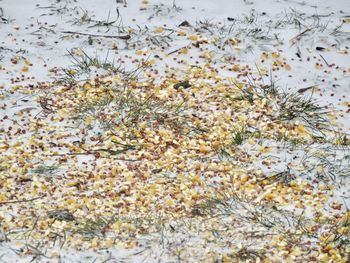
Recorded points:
176,50
125,37
20,201
324,60
297,37
90,153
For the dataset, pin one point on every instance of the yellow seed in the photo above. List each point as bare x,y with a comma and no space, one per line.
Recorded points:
88,120
115,171
193,38
204,149
158,30
25,69
168,201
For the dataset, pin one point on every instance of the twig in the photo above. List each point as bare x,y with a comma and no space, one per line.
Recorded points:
297,37
324,60
176,50
302,90
90,153
20,201
125,37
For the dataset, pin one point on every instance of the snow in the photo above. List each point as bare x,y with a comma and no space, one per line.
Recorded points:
35,30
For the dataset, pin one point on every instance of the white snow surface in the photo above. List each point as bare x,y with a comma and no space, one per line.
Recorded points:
37,30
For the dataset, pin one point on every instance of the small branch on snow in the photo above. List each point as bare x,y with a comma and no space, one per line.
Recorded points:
125,37
297,37
176,50
20,201
324,60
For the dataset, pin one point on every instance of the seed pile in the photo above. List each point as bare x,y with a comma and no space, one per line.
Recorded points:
204,159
